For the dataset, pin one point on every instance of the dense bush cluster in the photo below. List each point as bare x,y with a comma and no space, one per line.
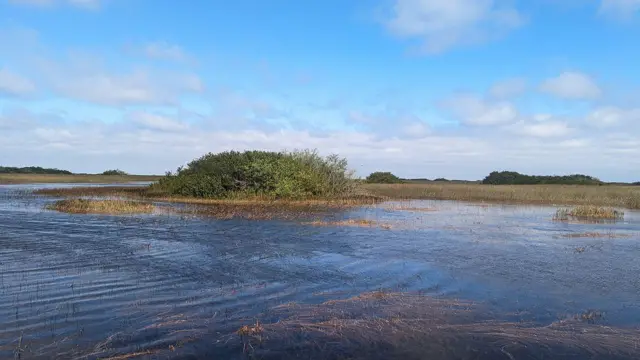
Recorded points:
115,172
290,175
32,170
383,177
514,178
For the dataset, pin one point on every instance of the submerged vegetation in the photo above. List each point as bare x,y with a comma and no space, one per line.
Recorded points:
589,212
84,206
274,175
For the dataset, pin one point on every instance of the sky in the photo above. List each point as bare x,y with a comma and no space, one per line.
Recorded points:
421,88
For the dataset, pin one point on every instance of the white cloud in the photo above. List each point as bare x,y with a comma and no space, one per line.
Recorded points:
508,88
12,83
157,122
83,79
547,129
474,111
165,51
443,24
572,85
608,116
619,8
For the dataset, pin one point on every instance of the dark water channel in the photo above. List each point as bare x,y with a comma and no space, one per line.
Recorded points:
70,282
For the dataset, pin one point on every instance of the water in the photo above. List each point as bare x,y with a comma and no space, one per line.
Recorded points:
69,282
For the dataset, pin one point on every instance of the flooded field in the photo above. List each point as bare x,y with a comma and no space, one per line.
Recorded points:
171,286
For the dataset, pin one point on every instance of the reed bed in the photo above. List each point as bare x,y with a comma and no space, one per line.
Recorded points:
608,195
85,206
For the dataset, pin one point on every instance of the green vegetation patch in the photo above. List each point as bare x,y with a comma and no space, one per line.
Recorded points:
380,177
115,172
276,175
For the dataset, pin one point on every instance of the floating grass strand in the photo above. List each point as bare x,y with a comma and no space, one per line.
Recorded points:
84,206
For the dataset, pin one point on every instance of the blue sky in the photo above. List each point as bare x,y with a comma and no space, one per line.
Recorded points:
423,88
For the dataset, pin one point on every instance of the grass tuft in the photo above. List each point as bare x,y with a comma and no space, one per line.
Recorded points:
589,212
84,206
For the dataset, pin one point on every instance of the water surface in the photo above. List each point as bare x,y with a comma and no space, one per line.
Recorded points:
72,281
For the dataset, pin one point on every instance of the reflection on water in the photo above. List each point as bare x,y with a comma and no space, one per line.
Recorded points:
73,281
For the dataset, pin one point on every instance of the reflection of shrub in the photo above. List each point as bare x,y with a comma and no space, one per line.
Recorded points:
114,172
380,177
298,174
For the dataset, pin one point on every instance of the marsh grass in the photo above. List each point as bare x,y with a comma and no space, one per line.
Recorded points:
254,208
68,179
608,195
85,206
588,212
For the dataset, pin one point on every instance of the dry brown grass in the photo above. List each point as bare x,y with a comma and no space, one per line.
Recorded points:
84,206
611,195
68,179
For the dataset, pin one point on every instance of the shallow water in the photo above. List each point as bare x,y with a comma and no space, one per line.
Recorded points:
72,281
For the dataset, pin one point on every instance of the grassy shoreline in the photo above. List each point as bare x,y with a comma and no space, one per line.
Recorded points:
563,195
7,179
557,195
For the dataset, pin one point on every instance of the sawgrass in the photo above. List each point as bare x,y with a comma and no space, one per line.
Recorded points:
608,195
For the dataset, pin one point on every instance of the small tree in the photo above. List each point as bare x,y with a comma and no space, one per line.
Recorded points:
114,172
380,177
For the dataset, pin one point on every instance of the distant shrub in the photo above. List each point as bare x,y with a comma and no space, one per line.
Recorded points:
114,172
440,180
514,178
290,175
380,177
32,170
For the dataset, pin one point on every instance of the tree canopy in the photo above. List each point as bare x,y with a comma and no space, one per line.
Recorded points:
514,178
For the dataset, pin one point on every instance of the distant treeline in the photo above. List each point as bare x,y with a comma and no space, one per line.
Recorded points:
514,178
31,170
498,178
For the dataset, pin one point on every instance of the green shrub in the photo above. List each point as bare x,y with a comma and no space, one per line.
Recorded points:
380,177
115,172
290,175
